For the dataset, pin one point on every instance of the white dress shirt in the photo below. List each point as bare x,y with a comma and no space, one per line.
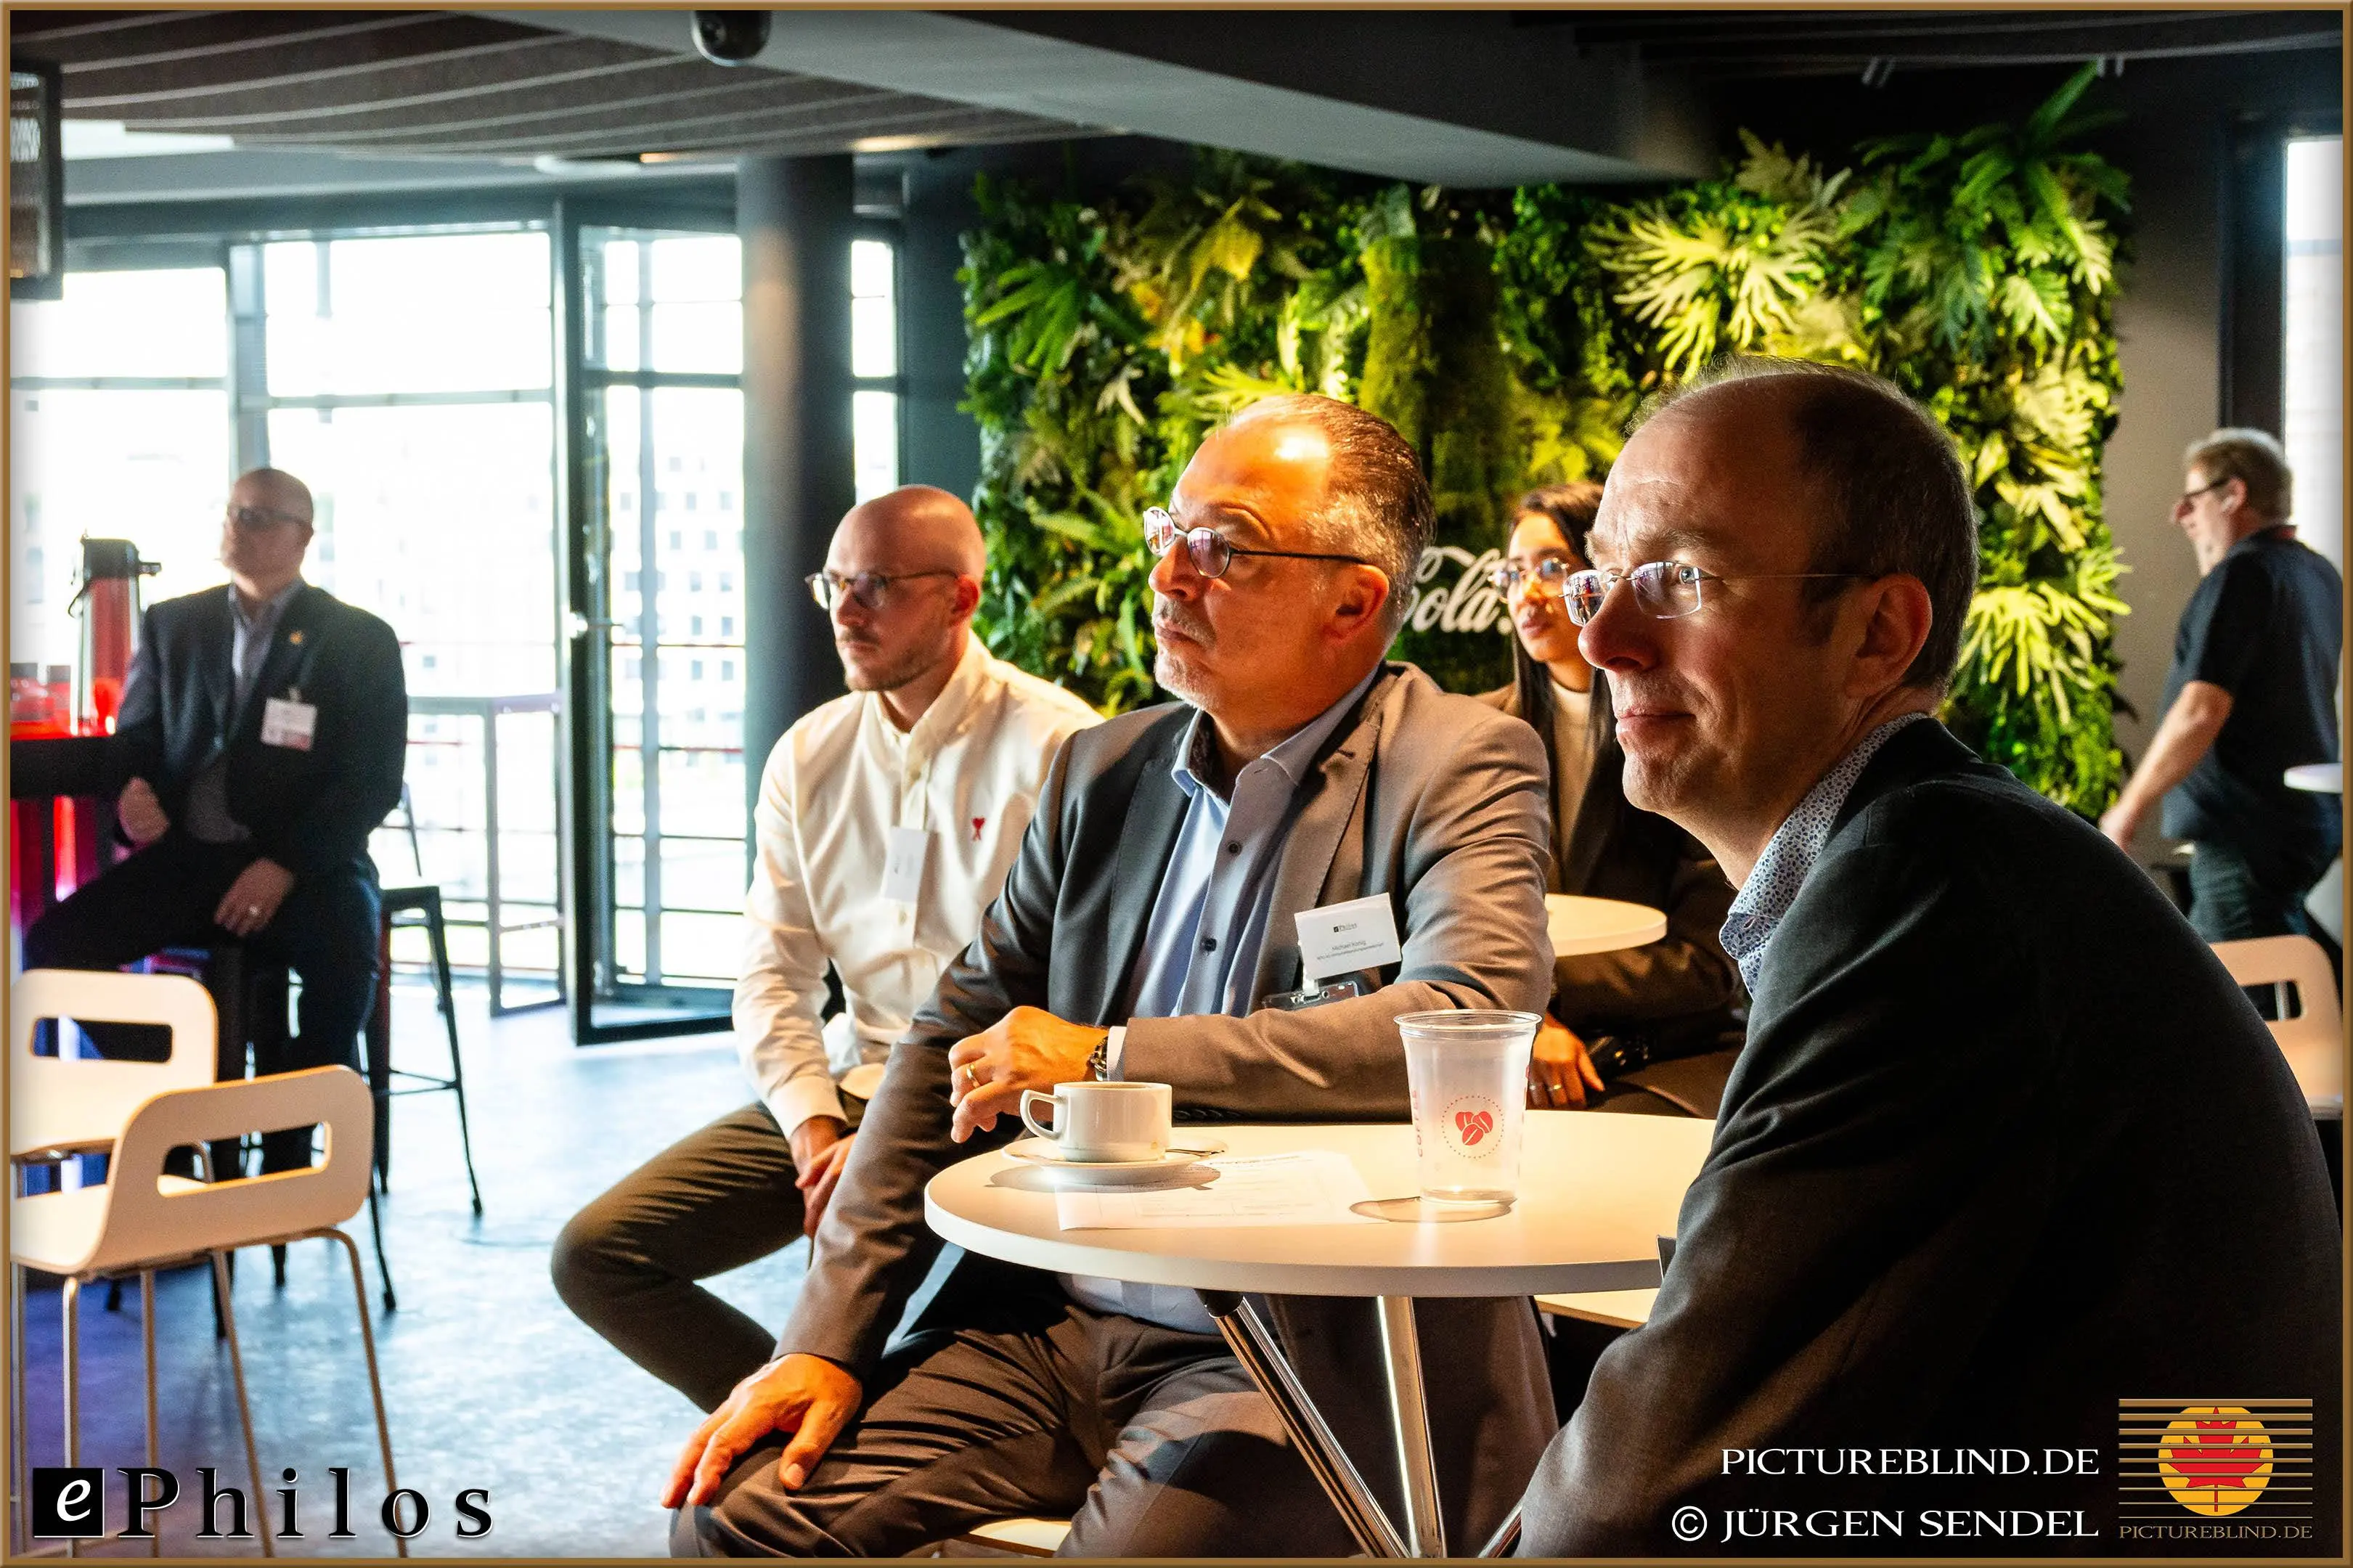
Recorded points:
968,777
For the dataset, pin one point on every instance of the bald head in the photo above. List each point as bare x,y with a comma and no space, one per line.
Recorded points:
275,490
915,528
265,531
904,637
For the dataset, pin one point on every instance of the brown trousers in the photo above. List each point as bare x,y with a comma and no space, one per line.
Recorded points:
628,1263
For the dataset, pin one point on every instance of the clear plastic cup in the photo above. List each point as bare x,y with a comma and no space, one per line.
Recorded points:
1467,1072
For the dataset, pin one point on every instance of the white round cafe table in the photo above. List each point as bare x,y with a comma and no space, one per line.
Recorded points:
1581,925
2320,778
1597,1192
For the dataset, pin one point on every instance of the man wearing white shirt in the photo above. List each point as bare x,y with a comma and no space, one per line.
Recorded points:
886,823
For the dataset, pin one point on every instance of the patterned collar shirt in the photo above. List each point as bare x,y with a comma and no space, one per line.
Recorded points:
1789,855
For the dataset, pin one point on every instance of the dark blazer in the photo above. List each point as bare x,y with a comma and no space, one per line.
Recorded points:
311,811
2005,1147
1682,993
1430,799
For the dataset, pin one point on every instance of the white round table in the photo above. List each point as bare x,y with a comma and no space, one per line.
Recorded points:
1596,1193
1581,925
2320,778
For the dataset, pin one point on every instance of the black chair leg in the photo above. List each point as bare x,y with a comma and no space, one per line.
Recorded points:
438,934
382,1269
278,1265
115,1295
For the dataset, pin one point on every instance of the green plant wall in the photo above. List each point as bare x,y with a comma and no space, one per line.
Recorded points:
1511,336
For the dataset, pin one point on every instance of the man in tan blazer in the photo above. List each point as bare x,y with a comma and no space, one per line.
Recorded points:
1142,929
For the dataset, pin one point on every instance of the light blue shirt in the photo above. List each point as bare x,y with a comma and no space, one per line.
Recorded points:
1789,855
1208,925
249,639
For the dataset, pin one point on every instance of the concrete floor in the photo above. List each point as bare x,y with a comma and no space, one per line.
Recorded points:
489,1382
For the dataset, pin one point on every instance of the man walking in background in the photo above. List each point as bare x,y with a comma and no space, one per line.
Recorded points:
263,732
885,824
2251,693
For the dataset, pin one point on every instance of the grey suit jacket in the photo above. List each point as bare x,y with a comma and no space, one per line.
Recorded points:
1434,800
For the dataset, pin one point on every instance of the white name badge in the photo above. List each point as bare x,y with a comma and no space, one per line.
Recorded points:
289,724
902,866
1340,938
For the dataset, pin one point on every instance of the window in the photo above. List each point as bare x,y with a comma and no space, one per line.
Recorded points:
874,361
119,428
408,383
669,426
2314,357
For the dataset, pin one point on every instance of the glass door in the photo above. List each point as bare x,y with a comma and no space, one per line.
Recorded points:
661,837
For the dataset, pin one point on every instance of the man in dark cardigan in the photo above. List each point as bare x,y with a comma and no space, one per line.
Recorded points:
2006,1150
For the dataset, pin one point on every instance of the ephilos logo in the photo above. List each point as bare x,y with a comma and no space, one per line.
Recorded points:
2215,1458
1472,1124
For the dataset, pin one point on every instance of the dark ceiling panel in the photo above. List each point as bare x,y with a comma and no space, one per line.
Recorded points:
450,84
652,127
1721,44
622,98
324,73
86,41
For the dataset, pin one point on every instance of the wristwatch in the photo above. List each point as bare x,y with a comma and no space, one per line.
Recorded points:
1099,1059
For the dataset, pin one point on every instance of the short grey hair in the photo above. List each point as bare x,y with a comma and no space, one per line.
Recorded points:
1379,507
1893,497
2254,459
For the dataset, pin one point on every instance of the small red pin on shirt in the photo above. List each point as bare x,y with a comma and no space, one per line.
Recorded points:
976,823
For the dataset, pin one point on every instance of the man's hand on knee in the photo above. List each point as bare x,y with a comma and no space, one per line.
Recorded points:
806,1396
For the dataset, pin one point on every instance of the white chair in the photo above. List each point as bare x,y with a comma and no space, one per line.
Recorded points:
64,1105
2313,1041
1020,1537
143,1219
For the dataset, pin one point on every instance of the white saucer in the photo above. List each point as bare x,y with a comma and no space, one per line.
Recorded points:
1042,1152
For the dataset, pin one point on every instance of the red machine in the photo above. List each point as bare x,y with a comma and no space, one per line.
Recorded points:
53,839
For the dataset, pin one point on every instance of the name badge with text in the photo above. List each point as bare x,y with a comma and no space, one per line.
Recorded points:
1341,938
902,866
290,723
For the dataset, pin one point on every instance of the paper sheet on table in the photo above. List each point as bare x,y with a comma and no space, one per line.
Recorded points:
1312,1186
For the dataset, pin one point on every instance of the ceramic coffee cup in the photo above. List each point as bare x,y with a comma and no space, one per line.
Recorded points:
1102,1122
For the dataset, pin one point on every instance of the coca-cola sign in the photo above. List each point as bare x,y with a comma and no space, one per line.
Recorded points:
1469,604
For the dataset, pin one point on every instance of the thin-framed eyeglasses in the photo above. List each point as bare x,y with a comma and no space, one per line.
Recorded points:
2188,496
1665,589
869,589
1210,551
1551,575
260,519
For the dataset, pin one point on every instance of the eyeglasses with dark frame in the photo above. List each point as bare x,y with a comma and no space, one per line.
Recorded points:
1211,552
2188,496
260,519
1666,589
871,590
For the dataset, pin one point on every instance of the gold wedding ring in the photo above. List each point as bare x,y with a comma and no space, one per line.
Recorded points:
971,1076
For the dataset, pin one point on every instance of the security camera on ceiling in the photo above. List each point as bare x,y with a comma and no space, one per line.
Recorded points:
730,37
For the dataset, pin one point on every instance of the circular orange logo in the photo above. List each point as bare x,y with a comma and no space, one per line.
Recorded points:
2214,1458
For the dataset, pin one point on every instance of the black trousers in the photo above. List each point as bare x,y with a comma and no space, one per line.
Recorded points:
326,932
1153,1441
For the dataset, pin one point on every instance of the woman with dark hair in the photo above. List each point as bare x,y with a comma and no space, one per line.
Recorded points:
1651,1028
